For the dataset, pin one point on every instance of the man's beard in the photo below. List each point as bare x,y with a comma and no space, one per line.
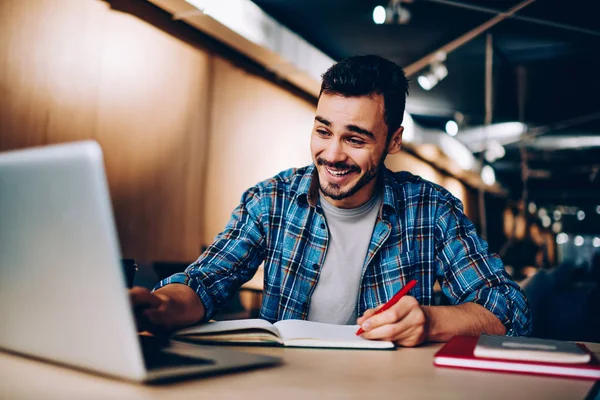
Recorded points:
332,190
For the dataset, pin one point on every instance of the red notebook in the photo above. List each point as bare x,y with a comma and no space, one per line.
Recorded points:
458,353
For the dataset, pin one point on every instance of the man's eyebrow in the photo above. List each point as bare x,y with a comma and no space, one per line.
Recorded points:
322,120
351,128
360,131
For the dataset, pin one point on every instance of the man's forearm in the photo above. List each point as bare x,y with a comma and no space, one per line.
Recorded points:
443,322
183,306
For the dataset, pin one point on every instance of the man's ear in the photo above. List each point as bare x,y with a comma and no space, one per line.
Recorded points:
395,143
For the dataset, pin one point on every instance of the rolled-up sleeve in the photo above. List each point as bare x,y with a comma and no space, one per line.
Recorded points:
468,272
230,261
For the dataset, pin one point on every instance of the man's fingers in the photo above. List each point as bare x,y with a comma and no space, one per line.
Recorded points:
391,331
391,316
366,315
141,297
369,313
406,331
156,317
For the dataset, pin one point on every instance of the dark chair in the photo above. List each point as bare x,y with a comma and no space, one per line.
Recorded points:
563,308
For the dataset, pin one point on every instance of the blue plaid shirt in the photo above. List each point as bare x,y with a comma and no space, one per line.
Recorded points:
421,233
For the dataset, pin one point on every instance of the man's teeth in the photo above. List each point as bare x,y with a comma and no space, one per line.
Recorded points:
338,173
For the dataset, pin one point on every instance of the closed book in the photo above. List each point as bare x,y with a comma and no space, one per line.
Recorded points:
530,349
459,352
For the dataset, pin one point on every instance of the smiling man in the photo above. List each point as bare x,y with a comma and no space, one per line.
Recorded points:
340,237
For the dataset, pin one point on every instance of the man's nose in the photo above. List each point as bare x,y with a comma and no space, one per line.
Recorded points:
334,151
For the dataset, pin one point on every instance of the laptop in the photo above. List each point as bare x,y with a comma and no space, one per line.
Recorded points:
63,296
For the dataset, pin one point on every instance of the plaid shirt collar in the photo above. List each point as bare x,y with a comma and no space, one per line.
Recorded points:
308,188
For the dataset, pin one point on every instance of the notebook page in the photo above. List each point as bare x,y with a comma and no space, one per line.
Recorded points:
231,326
299,329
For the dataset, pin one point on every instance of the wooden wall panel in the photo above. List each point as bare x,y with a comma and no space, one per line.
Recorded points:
257,130
184,131
152,115
47,71
72,69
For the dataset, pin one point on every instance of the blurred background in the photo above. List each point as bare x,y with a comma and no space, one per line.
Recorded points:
194,101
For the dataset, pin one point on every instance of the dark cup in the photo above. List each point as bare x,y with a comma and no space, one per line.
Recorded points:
129,268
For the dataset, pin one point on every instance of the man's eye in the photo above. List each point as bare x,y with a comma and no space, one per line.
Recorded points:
357,142
322,132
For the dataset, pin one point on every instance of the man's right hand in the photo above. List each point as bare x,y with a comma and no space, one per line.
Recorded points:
168,308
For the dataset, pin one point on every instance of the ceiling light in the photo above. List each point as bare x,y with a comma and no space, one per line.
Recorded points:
597,209
437,71
456,151
478,138
546,221
379,15
556,227
596,241
494,151
488,176
562,238
580,215
427,81
560,142
394,13
451,128
402,15
556,214
579,241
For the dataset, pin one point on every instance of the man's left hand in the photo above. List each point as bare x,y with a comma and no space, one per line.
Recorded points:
404,323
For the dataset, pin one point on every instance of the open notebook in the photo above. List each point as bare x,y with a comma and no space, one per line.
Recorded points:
290,333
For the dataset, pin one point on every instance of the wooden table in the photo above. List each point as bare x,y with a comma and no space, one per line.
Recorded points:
305,374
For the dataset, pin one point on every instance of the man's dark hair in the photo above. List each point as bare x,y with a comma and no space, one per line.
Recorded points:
370,75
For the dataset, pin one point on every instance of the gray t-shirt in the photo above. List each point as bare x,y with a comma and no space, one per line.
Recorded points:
334,298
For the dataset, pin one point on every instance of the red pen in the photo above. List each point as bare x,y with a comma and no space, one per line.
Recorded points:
392,301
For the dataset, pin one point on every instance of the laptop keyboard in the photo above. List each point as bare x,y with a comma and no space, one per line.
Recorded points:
155,356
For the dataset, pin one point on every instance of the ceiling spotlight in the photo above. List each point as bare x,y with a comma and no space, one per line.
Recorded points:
580,215
562,238
557,215
546,221
488,176
427,81
556,227
494,151
451,128
394,13
596,241
402,15
597,209
579,241
379,15
436,73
